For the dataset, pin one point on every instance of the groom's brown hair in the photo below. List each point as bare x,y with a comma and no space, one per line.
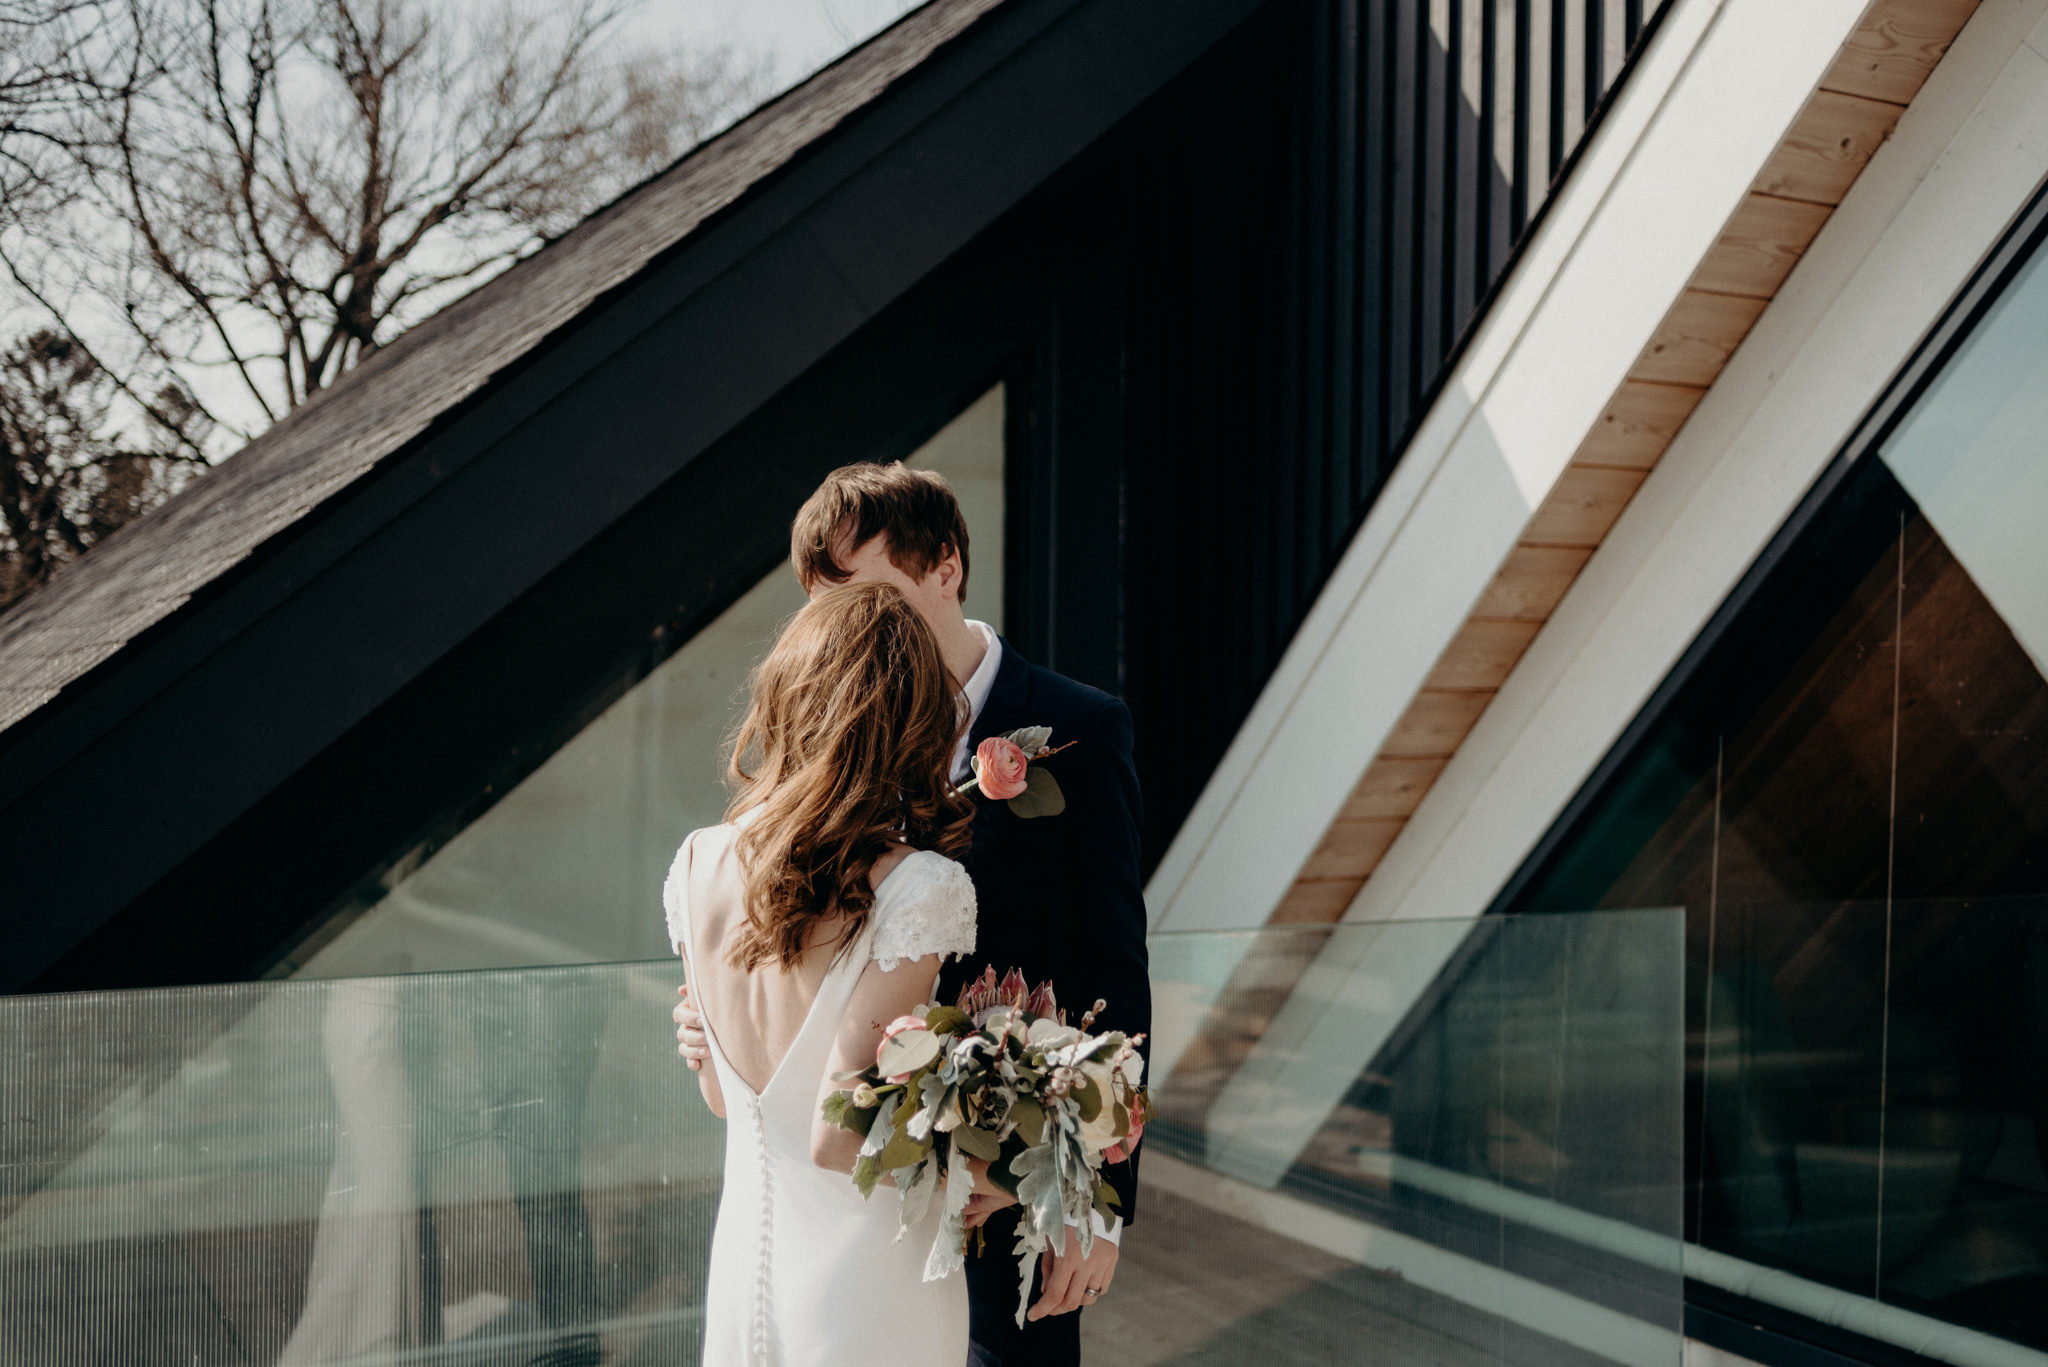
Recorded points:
913,509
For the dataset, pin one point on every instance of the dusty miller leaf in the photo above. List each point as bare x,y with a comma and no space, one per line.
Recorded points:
1030,739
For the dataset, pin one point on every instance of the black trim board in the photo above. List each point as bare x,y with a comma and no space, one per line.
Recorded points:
477,514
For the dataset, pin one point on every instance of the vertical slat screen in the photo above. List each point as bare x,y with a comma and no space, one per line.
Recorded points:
1312,225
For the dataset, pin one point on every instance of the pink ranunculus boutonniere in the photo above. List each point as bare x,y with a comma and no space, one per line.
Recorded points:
1006,769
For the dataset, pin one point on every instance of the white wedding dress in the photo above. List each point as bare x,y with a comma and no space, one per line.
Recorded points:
804,1270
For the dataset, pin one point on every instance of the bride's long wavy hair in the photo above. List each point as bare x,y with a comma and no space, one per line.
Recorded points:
847,747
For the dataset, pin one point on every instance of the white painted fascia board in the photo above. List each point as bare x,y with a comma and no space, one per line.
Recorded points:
1933,202
1694,124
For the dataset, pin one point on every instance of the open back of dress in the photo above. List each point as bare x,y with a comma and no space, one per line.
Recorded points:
803,1269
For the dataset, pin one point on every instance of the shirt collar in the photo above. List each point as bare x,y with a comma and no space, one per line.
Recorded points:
983,680
979,685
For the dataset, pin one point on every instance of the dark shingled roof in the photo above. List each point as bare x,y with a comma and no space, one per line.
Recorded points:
141,577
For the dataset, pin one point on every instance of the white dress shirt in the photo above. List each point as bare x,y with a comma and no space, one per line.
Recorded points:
977,688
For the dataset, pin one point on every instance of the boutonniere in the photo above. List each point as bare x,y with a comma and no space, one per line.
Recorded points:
1006,769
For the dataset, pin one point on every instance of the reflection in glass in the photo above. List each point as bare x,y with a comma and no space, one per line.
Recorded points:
1419,1141
514,1168
436,1169
1850,799
567,866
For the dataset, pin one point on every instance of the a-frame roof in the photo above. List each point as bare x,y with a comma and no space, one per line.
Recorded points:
338,626
146,574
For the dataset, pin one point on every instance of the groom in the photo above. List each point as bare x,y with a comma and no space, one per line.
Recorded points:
1059,895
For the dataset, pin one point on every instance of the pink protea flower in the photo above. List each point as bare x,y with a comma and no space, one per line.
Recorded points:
985,994
1001,767
1041,1002
979,995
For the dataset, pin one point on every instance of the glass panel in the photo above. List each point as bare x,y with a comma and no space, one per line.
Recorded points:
1440,1142
513,1167
1850,800
567,867
436,1169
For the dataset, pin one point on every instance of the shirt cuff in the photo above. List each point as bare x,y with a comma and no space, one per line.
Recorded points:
1114,1233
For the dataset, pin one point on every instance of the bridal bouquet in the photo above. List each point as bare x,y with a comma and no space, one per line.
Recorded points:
1002,1077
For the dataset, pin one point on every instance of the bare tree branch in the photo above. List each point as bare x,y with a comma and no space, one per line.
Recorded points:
65,484
291,183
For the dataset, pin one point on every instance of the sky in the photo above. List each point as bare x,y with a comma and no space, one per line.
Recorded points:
788,40
798,36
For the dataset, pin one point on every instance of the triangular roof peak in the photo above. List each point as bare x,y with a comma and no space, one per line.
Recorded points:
143,576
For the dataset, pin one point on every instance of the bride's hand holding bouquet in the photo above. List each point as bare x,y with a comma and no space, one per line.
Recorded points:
996,1091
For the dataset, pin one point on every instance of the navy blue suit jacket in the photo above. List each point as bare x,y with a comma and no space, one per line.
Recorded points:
1058,896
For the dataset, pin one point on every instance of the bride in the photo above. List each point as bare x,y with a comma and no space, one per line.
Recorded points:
817,914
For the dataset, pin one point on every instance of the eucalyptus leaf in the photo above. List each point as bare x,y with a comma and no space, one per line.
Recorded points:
1088,1099
902,1151
1105,1204
947,1020
1030,1118
860,1121
978,1143
1041,795
908,1052
866,1172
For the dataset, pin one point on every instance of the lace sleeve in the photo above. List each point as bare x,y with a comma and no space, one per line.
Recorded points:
932,914
675,894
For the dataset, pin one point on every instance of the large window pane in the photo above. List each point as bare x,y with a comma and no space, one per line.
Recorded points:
567,867
1850,798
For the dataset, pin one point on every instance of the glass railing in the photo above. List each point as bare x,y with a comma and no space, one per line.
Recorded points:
1873,1118
504,1167
1455,1140
1420,1142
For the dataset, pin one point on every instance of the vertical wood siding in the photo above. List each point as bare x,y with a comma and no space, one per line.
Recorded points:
1303,231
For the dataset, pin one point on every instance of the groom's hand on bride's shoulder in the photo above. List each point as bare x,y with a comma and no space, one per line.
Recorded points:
690,1042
